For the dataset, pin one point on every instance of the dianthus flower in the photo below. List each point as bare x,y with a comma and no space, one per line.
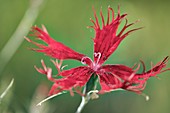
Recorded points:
110,76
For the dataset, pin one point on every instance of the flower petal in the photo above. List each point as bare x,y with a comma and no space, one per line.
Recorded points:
108,82
139,80
54,49
107,38
113,76
76,78
119,76
72,71
73,78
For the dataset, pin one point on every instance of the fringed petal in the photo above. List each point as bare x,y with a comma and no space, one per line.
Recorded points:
54,49
140,79
46,71
72,78
76,78
119,76
107,38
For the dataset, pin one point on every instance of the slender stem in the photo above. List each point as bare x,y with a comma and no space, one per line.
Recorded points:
87,91
84,101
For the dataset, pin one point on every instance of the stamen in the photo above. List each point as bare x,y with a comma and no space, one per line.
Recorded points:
82,60
87,60
98,55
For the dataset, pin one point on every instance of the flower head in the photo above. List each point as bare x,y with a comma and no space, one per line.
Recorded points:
106,40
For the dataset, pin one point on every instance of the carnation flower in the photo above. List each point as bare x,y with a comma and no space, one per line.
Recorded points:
83,79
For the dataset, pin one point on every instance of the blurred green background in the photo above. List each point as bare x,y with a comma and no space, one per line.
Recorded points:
66,21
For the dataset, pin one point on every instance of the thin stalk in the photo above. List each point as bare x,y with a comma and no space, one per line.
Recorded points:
84,101
89,92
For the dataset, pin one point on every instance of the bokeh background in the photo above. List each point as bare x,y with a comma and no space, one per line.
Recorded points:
66,21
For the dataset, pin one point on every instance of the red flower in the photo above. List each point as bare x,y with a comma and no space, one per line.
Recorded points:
106,41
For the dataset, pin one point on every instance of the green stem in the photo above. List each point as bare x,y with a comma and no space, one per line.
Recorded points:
88,89
84,101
